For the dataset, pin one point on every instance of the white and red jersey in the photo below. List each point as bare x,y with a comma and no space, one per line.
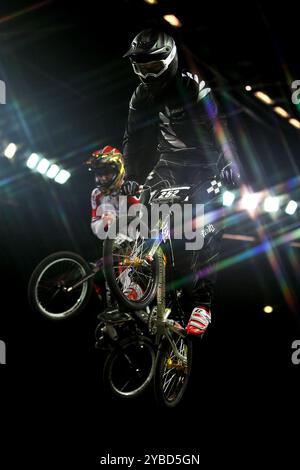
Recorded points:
103,204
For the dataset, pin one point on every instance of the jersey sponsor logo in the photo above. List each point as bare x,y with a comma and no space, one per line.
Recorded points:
214,187
172,113
168,194
203,89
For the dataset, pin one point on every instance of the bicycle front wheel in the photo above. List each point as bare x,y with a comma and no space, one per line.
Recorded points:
131,277
47,288
171,374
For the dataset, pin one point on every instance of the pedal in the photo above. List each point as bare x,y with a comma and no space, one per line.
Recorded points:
175,326
102,344
113,316
142,315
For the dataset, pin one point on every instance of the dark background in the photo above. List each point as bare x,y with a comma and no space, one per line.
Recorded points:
67,93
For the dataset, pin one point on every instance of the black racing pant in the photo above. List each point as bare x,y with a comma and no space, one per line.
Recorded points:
195,270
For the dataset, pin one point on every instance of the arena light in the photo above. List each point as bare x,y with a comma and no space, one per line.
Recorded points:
235,236
228,198
43,166
33,161
53,171
248,87
268,309
173,20
295,123
263,97
282,112
151,2
62,176
271,204
250,201
291,207
10,150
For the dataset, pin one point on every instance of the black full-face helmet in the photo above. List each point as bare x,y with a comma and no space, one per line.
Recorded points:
154,58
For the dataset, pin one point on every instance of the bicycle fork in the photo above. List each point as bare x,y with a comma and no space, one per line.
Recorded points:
164,325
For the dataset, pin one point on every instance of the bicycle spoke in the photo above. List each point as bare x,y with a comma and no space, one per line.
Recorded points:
122,274
124,386
168,372
170,381
174,387
140,273
139,278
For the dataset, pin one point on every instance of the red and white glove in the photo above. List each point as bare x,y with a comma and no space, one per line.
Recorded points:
199,321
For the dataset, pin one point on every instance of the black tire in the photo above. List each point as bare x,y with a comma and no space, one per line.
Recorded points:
50,300
110,271
167,397
120,377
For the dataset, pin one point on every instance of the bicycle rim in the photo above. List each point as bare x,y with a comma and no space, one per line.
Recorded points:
130,370
127,270
50,296
173,374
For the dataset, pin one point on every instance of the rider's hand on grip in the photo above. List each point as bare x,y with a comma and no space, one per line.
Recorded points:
230,176
130,188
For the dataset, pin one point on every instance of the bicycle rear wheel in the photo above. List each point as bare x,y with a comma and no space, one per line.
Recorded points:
129,368
172,375
47,288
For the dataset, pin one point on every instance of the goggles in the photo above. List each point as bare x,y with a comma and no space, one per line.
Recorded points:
104,179
154,68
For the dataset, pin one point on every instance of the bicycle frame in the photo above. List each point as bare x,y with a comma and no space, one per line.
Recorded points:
165,326
168,339
96,268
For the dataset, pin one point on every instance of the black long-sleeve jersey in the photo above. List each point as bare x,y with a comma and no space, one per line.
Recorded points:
179,123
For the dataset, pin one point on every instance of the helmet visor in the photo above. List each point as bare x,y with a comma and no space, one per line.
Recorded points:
154,68
105,175
104,180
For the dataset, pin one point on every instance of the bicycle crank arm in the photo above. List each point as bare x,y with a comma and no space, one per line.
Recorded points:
176,327
135,262
85,278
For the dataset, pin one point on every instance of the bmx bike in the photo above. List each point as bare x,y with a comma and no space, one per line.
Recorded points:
145,335
157,348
